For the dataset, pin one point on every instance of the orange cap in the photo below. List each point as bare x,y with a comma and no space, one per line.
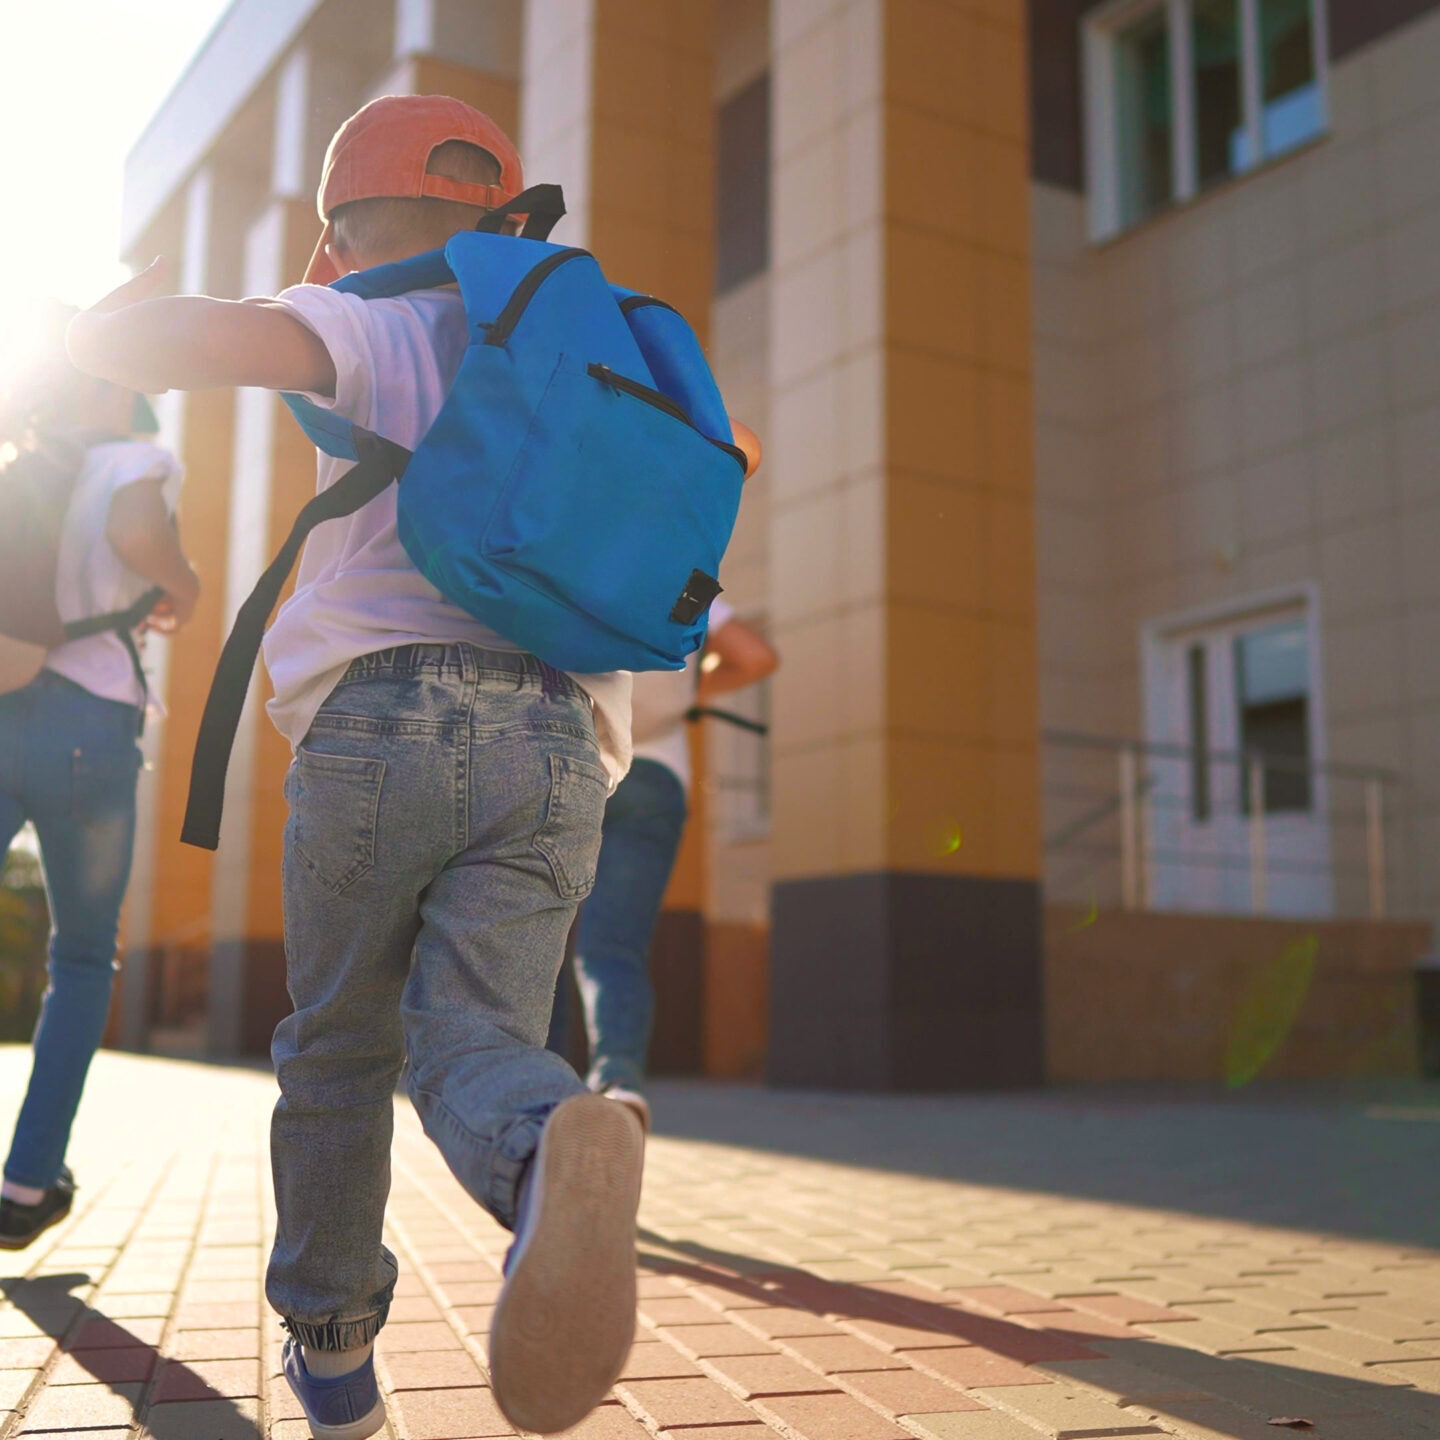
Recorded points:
382,150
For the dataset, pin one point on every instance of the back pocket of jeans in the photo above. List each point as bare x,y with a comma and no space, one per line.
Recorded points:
334,807
569,839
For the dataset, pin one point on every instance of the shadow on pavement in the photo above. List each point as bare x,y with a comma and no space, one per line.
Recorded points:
1169,1380
182,1404
1357,1161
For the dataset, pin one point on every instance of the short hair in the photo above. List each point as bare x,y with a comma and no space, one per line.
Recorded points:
370,226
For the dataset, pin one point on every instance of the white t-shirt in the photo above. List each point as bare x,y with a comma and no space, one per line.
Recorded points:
661,699
358,590
90,578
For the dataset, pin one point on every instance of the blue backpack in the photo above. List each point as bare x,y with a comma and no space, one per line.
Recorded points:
575,493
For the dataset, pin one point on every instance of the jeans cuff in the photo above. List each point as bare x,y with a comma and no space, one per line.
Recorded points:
338,1334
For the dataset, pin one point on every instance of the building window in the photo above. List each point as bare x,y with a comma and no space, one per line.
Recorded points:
742,185
1183,94
1272,684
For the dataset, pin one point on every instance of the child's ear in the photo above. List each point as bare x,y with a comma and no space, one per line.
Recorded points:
340,257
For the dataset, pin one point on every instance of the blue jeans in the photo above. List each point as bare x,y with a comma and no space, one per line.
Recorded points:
445,813
68,761
644,821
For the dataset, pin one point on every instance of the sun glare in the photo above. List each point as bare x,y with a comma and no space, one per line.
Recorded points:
82,79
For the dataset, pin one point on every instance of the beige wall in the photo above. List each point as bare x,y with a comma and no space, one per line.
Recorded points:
1245,394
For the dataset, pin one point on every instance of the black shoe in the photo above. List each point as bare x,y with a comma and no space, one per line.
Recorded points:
20,1224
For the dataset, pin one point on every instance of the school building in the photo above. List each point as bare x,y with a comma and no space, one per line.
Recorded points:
1096,350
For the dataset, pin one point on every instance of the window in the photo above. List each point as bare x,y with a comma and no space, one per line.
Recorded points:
1272,682
740,765
1183,94
1199,735
742,185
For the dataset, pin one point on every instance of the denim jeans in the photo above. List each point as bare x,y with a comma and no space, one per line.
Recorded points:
68,761
445,813
644,821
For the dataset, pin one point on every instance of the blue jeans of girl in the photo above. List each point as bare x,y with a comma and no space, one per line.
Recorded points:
644,822
69,762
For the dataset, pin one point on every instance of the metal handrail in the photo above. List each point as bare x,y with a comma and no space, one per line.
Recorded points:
1170,750
1137,851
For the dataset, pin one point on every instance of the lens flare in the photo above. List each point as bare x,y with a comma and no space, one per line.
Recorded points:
1268,1009
950,837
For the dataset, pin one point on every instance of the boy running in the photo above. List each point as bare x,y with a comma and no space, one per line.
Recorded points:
445,800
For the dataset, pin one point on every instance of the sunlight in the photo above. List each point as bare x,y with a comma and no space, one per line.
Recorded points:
82,79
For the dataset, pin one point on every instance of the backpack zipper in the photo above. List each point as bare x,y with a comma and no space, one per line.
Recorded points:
524,293
657,398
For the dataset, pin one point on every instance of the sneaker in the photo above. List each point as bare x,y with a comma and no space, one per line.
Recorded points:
633,1101
348,1407
566,1316
20,1224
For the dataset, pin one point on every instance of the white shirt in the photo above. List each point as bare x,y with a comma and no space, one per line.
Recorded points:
358,590
661,699
90,578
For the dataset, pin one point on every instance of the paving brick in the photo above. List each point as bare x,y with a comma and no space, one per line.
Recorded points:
769,1375
707,1340
26,1354
1127,1309
471,1292
129,1363
1361,1349
145,1305
1065,1414
615,1422
1080,1325
207,1379
431,1335
447,1415
973,1367
655,1360
784,1321
13,1386
203,1420
843,1352
82,1407
825,1417
1217,1338
906,1392
215,1344
896,1336
1007,1299
431,1370
972,1425
1216,1420
476,1319
102,1334
686,1402
677,1310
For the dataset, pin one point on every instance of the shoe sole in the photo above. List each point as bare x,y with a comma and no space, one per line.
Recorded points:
566,1317
9,1243
360,1429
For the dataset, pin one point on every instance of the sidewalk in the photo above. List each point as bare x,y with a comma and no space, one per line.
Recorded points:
987,1268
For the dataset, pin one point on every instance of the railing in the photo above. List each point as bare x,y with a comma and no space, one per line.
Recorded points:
1147,825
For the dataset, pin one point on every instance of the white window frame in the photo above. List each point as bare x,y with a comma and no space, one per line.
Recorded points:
1099,33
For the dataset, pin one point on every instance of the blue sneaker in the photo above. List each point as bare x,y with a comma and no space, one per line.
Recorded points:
348,1407
566,1315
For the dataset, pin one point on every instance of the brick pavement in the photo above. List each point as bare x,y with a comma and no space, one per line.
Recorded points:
869,1288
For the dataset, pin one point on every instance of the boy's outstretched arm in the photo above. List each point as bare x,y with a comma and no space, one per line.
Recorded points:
151,343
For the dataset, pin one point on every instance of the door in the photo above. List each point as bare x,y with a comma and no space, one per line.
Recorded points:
1224,691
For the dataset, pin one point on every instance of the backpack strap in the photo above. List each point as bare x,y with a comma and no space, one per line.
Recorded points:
123,624
541,205
380,463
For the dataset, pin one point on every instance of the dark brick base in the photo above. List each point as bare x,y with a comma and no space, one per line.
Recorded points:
906,982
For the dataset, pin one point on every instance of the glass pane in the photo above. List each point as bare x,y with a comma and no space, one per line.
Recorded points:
1289,90
742,186
1219,114
1199,736
1273,676
1143,107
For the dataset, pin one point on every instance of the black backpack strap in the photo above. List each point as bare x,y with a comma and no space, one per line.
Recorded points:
381,463
741,722
123,623
542,205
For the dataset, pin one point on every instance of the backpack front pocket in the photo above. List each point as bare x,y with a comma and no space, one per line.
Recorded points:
613,503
